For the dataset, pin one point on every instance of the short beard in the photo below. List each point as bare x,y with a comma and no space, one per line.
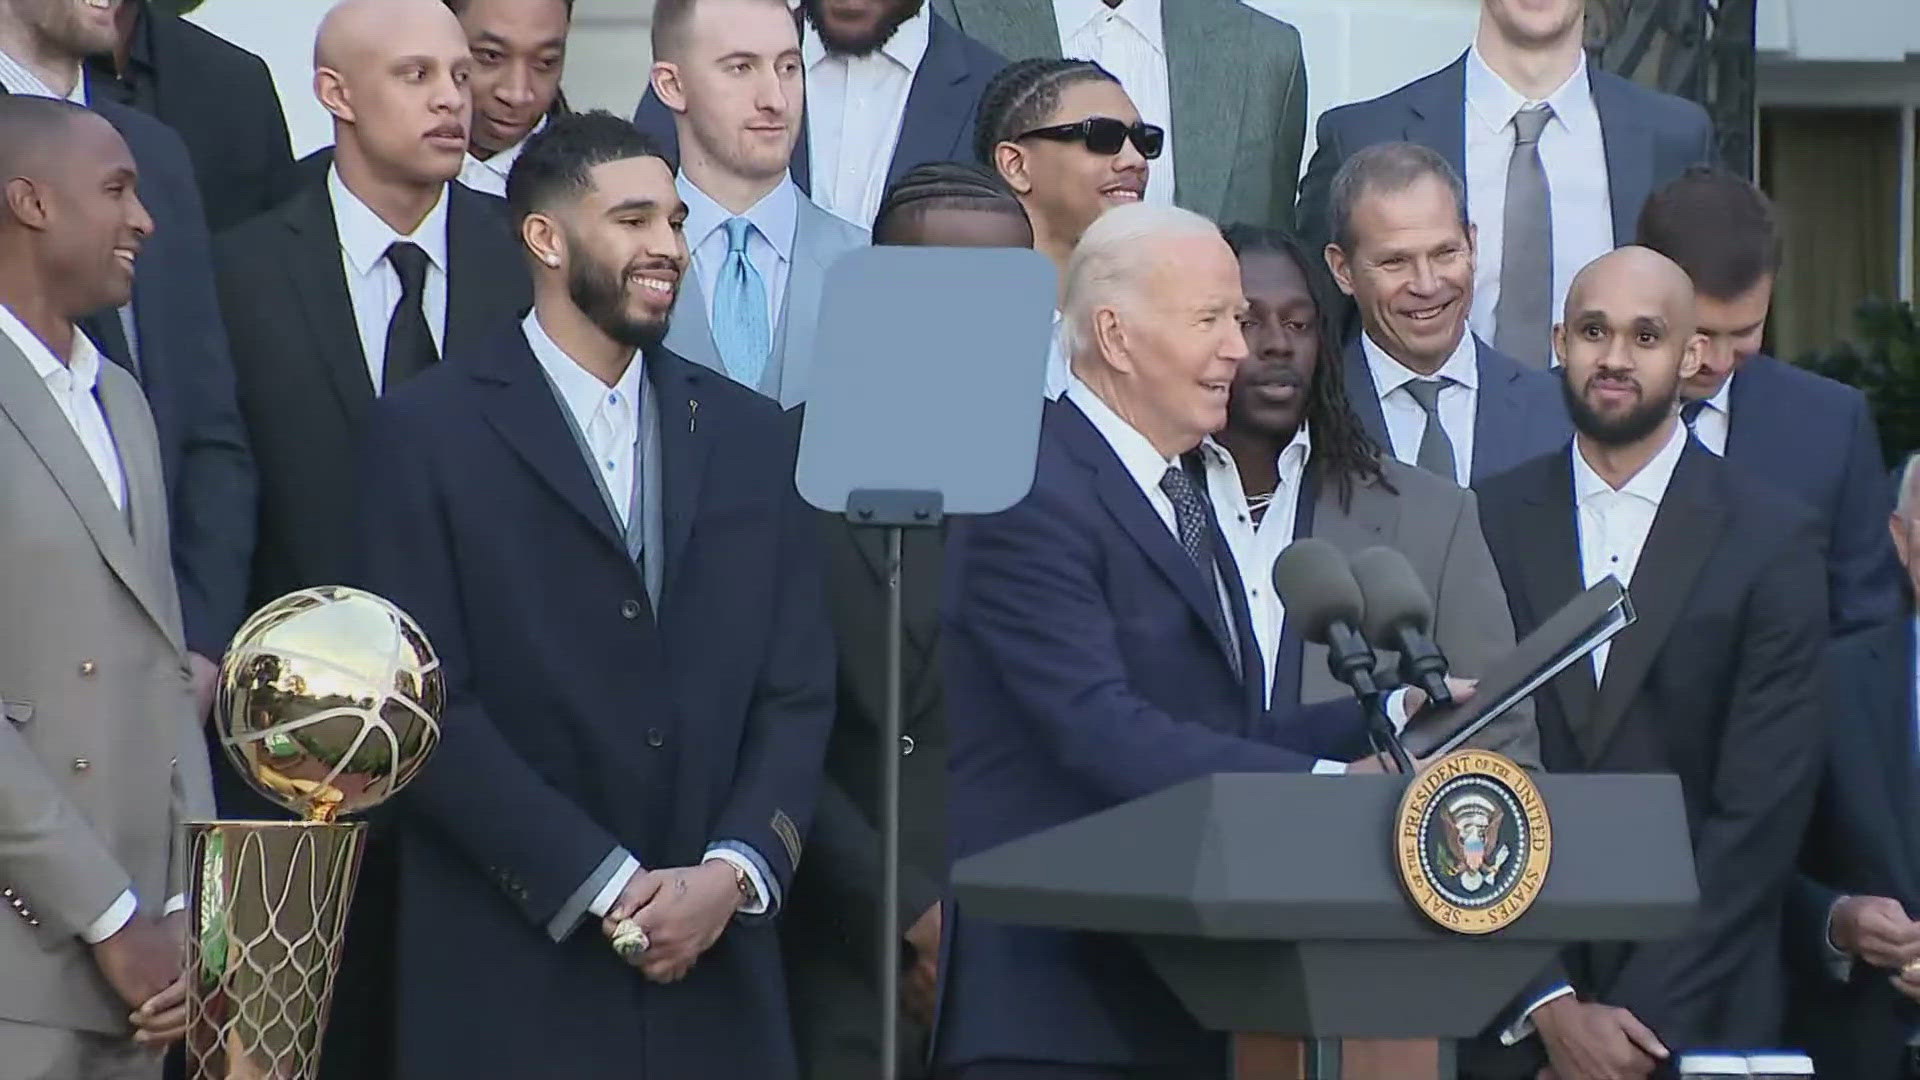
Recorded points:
601,295
864,46
1633,426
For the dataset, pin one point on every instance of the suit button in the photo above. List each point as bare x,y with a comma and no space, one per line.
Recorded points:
81,764
655,738
629,609
88,667
906,746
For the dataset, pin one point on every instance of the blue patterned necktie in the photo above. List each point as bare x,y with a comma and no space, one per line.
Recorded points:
740,331
1195,532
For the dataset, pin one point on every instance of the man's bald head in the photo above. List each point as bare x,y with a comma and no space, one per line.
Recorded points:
31,128
1627,343
394,75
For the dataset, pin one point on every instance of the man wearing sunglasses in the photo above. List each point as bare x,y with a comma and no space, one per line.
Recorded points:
1225,81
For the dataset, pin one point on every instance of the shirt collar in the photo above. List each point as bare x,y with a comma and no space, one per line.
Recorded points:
20,79
1136,453
907,47
1292,460
1072,16
1389,374
83,366
365,238
582,391
776,215
1718,402
1494,100
501,163
1649,484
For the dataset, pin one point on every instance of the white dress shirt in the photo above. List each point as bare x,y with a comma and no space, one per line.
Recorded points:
20,79
72,388
1127,41
490,176
775,218
372,282
1716,418
1058,370
1255,545
1406,420
1613,524
855,105
1575,158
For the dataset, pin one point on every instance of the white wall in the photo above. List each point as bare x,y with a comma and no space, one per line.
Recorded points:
281,33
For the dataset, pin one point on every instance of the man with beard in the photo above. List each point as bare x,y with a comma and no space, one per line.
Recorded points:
1717,680
890,85
519,52
604,544
1430,392
729,71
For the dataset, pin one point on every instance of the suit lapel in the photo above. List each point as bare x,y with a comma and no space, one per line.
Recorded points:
688,332
800,309
685,445
1028,29
1749,423
935,119
320,282
1206,121
1685,530
1437,117
1496,416
486,285
25,401
1550,571
1893,699
1364,397
146,495
1628,144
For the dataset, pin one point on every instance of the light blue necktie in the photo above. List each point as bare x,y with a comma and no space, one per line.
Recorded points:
740,330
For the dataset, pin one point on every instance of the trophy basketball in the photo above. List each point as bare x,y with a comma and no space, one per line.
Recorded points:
329,702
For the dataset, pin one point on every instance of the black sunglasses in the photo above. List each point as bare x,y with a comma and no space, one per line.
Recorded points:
1105,135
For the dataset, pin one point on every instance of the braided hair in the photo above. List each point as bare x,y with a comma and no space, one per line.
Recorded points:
1023,95
1342,451
943,185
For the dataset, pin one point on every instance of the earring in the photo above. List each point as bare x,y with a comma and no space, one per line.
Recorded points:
553,260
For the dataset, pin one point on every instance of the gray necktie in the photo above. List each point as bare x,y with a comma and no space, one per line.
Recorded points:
1436,449
1524,313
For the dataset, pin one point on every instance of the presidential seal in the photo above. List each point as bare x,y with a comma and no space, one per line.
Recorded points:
1472,841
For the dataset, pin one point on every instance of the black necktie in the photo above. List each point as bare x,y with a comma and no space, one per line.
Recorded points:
1196,536
409,343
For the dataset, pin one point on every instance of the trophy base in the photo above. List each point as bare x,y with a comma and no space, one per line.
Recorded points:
269,915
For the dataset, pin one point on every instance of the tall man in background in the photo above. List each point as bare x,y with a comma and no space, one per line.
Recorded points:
1558,157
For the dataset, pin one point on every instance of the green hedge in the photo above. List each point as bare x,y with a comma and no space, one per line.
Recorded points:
1883,360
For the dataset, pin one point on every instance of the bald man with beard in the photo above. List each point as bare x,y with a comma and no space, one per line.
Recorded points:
363,279
1715,682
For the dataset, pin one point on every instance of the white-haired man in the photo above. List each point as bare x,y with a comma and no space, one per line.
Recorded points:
1098,650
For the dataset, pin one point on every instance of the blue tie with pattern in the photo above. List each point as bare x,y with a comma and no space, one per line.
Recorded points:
740,330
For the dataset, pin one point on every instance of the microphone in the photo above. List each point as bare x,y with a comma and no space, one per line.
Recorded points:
1322,597
1400,614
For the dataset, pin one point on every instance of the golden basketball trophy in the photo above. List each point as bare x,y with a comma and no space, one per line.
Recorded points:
329,702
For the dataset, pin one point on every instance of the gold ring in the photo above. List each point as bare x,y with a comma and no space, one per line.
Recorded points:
629,939
1911,967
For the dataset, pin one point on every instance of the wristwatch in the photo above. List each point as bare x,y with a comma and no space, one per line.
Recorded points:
749,896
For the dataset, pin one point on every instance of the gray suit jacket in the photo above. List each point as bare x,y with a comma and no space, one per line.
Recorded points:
1236,82
819,239
101,760
1437,527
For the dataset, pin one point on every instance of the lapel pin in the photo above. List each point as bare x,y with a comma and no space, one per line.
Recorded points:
693,413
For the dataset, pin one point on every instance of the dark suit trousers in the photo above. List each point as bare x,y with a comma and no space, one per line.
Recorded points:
836,1016
1047,1070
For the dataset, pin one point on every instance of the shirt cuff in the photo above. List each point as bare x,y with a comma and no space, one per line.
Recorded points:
748,861
112,920
1323,767
1396,709
602,901
1836,960
1523,1027
176,902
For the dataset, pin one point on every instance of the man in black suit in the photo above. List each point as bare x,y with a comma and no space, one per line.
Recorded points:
922,76
1717,681
604,543
1809,436
170,337
1558,158
1853,944
1430,392
218,96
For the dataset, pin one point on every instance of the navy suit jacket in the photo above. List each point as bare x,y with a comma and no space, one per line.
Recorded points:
1813,439
1864,840
1650,138
942,106
1085,668
1519,413
186,372
577,720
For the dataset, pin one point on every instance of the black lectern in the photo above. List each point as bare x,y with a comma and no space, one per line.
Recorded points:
1270,905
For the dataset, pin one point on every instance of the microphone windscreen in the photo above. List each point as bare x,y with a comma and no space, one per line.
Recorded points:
1392,593
1317,587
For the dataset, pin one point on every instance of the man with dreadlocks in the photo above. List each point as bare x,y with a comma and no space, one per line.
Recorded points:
1293,461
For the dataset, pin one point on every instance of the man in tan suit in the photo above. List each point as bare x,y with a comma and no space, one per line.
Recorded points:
101,759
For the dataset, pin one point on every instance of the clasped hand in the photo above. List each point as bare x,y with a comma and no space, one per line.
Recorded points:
1877,930
144,963
683,910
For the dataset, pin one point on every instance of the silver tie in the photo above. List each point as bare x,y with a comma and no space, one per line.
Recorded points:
1436,449
1523,316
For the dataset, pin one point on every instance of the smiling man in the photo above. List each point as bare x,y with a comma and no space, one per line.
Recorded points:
1430,392
519,53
